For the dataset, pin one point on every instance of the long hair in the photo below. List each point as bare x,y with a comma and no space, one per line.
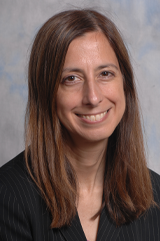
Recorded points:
127,184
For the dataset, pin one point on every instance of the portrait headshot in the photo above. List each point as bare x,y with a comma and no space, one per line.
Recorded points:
80,133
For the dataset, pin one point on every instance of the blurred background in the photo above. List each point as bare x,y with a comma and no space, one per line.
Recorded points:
139,23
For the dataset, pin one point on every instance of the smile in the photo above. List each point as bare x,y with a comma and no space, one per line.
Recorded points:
94,118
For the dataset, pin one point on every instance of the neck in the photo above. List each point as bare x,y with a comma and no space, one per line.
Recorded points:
88,161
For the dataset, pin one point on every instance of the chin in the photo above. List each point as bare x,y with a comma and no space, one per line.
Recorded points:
91,137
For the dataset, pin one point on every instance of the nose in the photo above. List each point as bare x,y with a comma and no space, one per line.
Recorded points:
92,93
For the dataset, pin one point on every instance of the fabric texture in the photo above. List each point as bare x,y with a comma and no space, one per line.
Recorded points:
24,215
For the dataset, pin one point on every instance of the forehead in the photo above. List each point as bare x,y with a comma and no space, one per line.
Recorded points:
91,48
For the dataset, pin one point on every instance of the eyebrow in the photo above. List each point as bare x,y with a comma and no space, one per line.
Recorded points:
106,66
98,68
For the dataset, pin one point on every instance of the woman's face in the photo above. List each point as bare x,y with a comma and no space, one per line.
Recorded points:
90,98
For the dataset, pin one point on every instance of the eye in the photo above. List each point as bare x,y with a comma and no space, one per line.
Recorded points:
106,74
71,79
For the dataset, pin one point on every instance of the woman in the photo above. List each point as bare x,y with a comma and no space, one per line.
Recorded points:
84,174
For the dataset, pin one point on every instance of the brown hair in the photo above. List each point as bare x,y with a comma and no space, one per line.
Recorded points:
127,184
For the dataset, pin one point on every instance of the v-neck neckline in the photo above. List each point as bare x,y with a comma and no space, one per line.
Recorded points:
107,229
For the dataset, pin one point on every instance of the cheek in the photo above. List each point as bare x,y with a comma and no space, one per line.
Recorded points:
65,103
120,97
115,93
121,102
117,97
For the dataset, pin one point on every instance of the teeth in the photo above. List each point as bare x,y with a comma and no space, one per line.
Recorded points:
94,117
98,117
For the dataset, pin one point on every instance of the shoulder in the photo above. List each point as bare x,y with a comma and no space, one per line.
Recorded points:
16,165
13,171
15,177
23,212
16,183
147,226
155,179
154,176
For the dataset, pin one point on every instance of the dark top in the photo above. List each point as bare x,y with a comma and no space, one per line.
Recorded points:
24,215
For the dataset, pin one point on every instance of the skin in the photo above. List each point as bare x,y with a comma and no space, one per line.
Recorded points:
91,84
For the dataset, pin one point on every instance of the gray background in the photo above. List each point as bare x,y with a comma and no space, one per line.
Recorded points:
139,22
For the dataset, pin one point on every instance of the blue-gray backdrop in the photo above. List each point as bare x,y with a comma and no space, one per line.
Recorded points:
139,22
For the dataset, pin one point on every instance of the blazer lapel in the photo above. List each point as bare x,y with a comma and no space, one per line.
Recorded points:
107,229
73,232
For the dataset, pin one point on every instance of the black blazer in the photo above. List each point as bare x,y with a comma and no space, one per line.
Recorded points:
24,215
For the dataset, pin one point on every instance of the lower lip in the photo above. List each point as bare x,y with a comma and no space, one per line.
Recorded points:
95,122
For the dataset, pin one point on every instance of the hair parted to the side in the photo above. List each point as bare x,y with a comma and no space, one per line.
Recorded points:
127,184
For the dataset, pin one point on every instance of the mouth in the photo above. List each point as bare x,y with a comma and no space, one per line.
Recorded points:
94,118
